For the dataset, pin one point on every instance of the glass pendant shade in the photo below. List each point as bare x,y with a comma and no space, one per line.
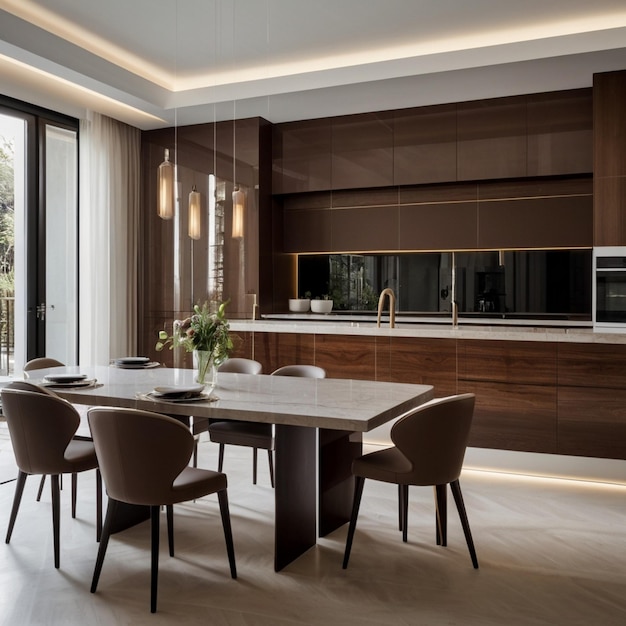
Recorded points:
239,206
194,213
165,188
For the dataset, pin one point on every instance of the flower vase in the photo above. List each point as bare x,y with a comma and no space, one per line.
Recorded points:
206,372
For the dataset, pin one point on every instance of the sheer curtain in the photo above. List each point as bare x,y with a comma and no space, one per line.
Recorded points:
108,225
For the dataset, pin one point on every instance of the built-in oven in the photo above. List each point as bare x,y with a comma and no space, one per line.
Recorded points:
609,288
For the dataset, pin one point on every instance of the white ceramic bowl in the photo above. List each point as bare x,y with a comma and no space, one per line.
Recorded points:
299,305
321,306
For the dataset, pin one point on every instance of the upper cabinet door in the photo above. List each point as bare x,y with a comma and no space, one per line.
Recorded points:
362,154
560,133
301,157
424,148
491,139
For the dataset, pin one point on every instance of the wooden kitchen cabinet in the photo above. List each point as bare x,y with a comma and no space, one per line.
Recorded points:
592,400
424,145
491,139
531,396
362,152
346,356
423,361
274,350
515,384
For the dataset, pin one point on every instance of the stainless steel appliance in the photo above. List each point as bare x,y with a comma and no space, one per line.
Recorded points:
609,288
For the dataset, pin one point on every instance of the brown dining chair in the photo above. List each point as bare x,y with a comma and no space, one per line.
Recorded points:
235,365
40,363
430,444
42,427
144,459
255,435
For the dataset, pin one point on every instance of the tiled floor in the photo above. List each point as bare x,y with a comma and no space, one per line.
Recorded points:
550,552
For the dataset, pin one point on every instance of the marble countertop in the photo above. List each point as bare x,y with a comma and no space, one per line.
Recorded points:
336,404
519,330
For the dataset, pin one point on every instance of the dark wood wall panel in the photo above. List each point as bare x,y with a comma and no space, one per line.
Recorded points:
609,199
513,417
609,162
344,356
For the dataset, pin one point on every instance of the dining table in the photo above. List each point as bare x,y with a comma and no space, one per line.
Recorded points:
318,428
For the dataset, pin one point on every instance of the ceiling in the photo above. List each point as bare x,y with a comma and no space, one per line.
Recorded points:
155,63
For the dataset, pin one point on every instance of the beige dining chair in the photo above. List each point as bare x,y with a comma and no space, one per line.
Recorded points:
42,427
40,363
430,444
235,365
144,459
256,435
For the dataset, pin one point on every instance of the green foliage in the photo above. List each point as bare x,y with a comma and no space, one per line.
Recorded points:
7,195
7,216
204,330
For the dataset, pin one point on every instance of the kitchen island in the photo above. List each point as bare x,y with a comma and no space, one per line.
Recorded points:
548,388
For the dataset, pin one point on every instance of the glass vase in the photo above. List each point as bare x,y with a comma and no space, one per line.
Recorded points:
206,372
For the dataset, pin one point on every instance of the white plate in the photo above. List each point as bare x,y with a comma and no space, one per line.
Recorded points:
137,366
64,378
193,398
133,360
77,384
177,390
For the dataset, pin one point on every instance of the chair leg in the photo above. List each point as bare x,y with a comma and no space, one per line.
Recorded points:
405,512
56,517
270,458
170,527
42,482
228,533
220,458
195,452
254,463
154,567
17,498
441,517
458,498
104,542
74,490
400,507
98,505
358,492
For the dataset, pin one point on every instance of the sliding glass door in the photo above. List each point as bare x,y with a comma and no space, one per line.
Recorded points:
38,245
58,272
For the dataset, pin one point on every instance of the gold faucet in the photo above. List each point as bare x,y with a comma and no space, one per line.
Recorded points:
392,306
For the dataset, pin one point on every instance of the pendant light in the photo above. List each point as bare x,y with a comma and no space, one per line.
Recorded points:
195,203
239,197
239,207
165,188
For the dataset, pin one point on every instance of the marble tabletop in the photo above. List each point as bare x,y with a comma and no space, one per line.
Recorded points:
336,404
